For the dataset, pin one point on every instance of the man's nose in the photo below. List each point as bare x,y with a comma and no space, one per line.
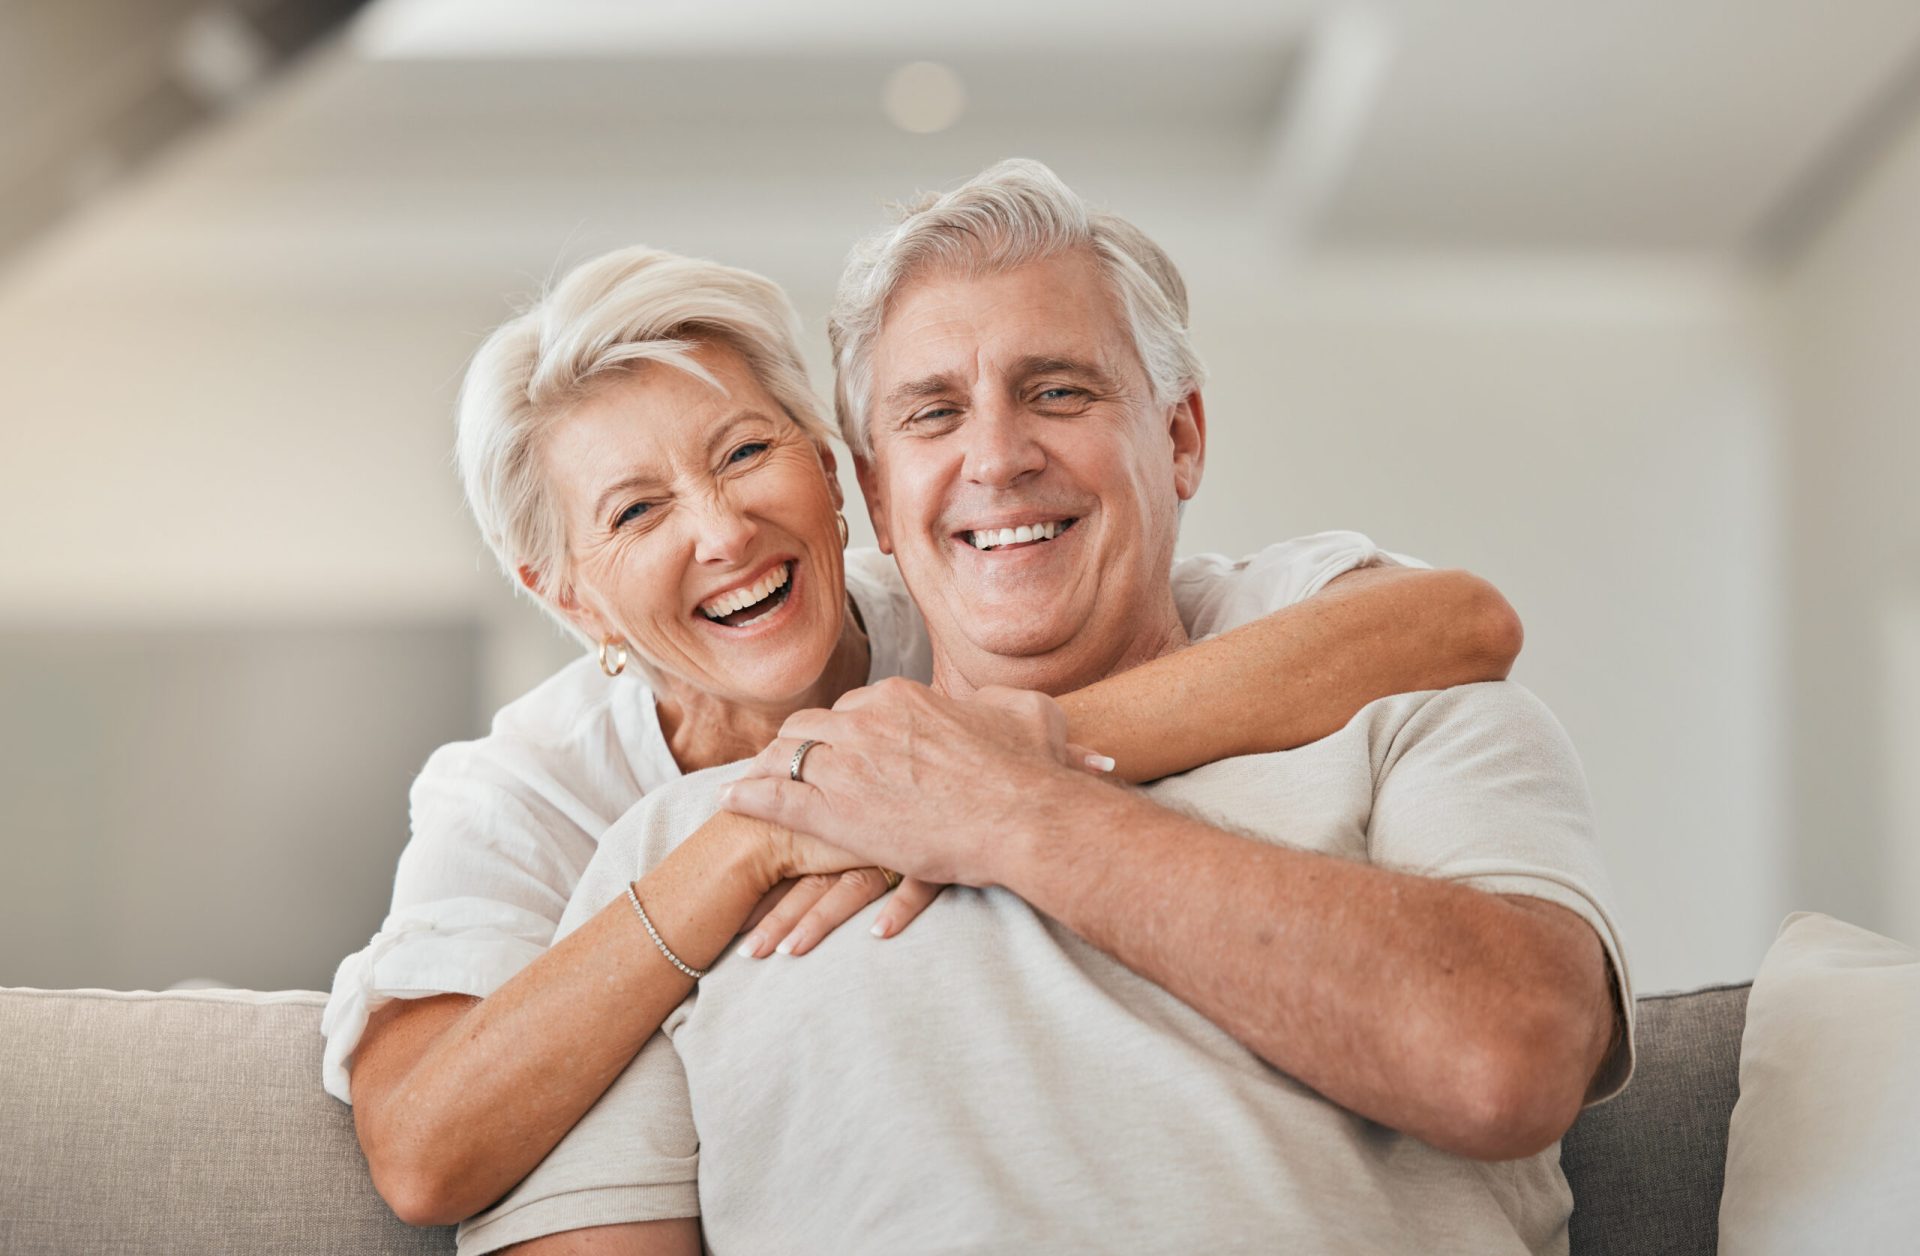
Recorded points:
1002,445
723,533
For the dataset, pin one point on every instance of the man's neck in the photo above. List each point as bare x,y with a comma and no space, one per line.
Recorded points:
958,674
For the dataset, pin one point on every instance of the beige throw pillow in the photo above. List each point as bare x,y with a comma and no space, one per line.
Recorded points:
1824,1151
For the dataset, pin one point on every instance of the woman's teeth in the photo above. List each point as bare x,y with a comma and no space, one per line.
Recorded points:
993,538
755,593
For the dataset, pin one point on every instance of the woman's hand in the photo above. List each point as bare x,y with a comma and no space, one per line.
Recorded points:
815,887
796,915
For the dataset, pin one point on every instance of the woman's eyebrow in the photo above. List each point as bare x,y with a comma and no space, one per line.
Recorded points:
620,488
723,430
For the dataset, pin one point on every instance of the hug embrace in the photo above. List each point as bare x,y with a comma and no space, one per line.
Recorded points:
1013,887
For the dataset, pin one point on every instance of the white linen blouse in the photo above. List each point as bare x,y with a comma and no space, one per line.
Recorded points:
504,826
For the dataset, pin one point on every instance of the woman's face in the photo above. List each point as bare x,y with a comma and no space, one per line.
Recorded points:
702,532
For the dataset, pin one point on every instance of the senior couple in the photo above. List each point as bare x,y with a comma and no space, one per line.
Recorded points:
1337,980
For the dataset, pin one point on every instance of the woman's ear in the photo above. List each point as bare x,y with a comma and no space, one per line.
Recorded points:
563,600
831,465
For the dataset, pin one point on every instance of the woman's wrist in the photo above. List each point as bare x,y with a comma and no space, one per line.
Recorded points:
742,852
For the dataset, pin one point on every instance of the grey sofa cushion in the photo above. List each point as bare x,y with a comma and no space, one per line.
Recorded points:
1646,1168
188,1122
195,1122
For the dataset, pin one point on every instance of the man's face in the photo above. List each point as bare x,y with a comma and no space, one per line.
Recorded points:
1016,401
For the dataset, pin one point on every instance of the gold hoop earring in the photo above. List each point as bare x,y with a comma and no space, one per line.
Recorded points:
846,533
619,650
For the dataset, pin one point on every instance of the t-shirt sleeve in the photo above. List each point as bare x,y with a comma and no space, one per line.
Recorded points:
481,885
1215,593
1482,786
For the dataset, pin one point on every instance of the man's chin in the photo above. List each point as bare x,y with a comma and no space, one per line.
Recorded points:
1020,639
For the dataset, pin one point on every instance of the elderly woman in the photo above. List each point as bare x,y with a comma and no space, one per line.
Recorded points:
644,456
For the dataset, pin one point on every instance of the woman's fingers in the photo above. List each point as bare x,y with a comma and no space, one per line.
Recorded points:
851,892
1088,760
780,919
908,901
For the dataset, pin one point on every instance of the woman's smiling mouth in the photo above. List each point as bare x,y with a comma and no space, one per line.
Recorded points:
738,608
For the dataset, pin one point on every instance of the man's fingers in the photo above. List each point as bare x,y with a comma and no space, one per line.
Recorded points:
909,899
851,892
790,804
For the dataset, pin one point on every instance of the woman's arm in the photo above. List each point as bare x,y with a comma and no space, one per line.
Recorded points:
456,1099
1288,678
1299,673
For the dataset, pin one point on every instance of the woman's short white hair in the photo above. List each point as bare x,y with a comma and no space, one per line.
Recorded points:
630,306
1006,216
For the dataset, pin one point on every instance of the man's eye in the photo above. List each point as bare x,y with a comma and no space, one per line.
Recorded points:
1060,394
631,513
749,450
934,415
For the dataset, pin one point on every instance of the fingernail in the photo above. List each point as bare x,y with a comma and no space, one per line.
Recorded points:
786,946
881,928
750,949
1099,763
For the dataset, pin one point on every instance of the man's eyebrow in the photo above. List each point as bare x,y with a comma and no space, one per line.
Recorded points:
1045,364
925,386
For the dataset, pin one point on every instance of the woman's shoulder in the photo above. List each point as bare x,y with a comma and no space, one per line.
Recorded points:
578,732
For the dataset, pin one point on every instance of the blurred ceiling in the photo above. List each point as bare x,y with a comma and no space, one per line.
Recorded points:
445,129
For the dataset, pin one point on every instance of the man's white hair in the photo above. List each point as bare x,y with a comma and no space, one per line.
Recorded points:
1008,215
630,306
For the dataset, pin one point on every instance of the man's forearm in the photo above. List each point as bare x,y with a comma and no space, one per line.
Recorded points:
1470,1021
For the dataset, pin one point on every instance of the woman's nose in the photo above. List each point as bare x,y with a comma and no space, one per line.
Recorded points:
724,532
1001,446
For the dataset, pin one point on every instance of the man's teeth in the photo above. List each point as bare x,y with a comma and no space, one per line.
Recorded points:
738,600
991,538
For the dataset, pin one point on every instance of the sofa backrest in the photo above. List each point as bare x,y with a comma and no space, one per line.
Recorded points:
188,1122
194,1121
1646,1167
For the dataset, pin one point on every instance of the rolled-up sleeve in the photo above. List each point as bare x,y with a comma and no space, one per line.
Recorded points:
494,856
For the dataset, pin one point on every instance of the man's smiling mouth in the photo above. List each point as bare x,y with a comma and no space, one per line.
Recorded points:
1025,534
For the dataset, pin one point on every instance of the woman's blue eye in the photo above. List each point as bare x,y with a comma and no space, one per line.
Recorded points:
747,451
631,513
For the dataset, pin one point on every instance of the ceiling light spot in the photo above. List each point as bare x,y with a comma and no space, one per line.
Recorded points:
924,97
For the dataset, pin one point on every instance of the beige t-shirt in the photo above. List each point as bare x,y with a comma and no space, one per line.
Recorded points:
987,1081
503,826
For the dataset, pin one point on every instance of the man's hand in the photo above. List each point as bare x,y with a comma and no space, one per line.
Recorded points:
906,778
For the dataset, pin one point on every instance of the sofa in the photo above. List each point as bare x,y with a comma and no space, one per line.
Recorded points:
194,1121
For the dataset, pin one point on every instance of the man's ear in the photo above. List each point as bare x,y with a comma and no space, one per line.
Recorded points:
1188,428
873,488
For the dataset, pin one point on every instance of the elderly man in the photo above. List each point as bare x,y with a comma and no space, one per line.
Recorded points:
1344,998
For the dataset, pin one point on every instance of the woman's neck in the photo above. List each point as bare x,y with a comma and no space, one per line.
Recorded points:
705,729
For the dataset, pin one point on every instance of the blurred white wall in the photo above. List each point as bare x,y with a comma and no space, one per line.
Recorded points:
1849,327
229,391
1598,436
